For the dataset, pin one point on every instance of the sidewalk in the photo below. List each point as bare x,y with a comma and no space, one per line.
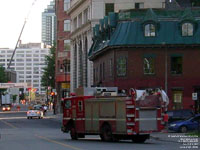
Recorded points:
56,117
172,137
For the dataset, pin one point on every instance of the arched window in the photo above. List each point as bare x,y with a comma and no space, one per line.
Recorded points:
187,29
149,30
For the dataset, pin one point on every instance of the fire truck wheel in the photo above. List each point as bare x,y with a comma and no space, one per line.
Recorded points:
106,134
73,134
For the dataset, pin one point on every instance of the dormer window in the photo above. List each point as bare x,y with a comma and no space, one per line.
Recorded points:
187,29
149,30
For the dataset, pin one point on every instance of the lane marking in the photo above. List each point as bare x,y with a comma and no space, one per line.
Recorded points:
9,118
9,124
59,143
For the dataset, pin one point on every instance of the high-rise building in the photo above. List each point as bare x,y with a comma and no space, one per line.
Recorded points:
28,62
49,24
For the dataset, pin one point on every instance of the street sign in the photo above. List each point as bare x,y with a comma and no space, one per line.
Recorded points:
194,96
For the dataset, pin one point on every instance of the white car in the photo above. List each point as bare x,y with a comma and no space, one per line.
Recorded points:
34,113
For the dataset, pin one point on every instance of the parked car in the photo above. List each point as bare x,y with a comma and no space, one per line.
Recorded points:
183,126
6,108
181,114
35,112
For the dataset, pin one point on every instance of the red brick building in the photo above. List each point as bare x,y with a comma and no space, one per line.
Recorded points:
62,73
150,48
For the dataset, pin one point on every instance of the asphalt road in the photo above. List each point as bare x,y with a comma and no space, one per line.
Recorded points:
19,133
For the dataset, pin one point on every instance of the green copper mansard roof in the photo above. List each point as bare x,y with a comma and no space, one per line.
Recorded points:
129,29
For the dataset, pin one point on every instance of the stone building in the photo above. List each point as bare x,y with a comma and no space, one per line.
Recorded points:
150,48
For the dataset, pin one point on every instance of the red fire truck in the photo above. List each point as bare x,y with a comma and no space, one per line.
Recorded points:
113,116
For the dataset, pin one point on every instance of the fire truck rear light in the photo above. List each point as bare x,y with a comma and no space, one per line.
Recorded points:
130,106
130,115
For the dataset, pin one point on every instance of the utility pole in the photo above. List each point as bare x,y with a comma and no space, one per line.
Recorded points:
166,70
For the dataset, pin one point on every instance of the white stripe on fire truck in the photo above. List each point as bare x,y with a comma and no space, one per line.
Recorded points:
130,124
142,119
96,119
66,118
130,106
130,115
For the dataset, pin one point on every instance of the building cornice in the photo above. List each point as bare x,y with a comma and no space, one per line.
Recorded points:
74,7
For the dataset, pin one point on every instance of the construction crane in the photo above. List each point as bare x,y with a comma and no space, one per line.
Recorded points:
8,67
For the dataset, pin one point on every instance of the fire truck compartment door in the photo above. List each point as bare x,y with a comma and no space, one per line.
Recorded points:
148,120
91,116
120,117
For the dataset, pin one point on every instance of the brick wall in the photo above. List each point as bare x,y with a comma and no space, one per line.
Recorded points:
135,74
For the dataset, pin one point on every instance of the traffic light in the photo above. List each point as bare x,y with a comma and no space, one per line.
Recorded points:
52,93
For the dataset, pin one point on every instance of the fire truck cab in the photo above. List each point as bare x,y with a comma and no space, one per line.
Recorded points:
112,116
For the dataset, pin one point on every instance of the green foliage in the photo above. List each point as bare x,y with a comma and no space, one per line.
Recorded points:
195,3
3,78
48,77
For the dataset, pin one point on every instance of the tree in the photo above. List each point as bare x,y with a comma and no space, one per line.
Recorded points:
195,3
3,77
48,77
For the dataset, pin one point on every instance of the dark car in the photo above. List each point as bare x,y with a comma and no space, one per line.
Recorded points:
181,114
183,126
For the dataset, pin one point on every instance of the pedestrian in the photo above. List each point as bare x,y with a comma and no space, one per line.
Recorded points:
54,108
45,109
165,119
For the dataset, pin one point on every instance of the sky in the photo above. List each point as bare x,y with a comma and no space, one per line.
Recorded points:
12,17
